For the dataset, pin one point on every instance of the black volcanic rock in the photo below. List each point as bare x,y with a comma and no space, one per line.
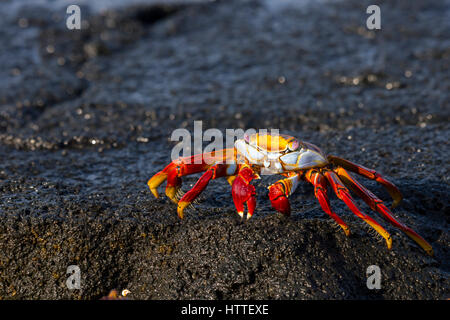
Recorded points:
86,117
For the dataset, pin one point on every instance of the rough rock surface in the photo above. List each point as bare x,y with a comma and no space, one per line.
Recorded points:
86,117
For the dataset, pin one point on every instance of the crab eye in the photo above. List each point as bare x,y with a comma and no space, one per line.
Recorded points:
293,145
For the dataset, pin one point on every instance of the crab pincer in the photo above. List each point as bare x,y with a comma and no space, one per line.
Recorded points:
279,199
243,192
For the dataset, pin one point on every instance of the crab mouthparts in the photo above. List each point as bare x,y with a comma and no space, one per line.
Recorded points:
274,165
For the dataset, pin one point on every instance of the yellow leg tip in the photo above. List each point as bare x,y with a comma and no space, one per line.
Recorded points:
421,242
395,203
231,179
155,181
171,192
389,242
154,192
346,230
382,233
180,209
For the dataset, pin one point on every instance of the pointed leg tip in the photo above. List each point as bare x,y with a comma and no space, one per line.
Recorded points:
154,192
155,181
420,241
171,194
241,214
346,230
389,243
395,204
427,247
180,209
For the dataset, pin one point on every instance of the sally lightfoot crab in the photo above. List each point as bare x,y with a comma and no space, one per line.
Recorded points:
295,160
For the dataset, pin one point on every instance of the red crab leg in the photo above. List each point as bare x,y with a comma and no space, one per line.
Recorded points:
243,192
216,171
186,166
280,191
370,174
172,174
343,194
320,190
377,205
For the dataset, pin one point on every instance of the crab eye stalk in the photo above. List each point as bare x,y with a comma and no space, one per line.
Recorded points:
293,145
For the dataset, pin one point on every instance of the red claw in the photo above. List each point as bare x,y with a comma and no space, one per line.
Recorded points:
279,200
243,192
